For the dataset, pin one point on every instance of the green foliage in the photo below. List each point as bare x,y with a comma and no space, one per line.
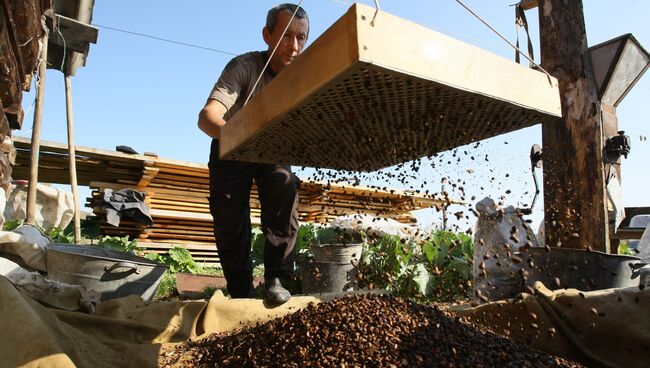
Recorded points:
11,225
306,236
332,235
59,235
167,286
178,260
438,268
120,244
257,244
209,291
90,228
625,250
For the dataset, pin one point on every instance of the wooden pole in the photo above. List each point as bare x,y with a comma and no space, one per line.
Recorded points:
72,158
575,198
36,134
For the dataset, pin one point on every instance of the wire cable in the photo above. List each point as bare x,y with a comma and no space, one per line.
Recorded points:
165,39
502,37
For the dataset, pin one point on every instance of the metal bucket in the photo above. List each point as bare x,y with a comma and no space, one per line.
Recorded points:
332,269
580,269
327,277
340,253
112,274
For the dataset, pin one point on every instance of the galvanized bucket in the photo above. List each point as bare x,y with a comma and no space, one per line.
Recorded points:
112,274
327,277
341,253
580,269
333,268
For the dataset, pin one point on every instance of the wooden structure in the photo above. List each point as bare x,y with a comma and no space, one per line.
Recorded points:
177,195
20,33
370,106
575,199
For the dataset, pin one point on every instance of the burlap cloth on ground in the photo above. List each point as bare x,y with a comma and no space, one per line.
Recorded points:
123,332
129,333
608,328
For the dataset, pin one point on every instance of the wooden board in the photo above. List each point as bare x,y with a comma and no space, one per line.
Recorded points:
370,106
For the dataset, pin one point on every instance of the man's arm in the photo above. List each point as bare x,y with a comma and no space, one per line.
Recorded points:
211,118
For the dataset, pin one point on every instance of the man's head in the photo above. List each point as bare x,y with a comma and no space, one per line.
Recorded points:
293,41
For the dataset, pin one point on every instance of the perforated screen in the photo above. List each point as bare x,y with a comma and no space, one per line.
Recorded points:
372,117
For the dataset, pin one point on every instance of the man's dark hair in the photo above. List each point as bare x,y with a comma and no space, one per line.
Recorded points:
272,15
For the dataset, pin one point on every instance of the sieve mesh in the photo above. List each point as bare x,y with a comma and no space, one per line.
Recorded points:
373,117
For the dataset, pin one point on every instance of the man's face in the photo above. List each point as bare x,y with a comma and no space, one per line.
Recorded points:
291,44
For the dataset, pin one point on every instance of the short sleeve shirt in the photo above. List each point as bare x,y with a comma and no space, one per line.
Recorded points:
237,81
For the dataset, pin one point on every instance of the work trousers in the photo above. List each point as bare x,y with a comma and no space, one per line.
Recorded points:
230,187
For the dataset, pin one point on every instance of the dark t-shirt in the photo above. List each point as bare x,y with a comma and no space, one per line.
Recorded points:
236,82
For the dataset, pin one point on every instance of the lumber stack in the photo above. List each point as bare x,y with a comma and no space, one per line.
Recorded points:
176,193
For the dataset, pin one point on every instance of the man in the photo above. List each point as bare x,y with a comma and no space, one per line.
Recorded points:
230,181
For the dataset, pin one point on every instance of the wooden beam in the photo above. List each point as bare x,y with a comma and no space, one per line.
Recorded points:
15,115
27,17
71,153
10,77
12,32
36,138
72,34
5,130
528,4
574,178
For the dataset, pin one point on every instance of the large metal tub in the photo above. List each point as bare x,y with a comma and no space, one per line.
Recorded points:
112,274
580,269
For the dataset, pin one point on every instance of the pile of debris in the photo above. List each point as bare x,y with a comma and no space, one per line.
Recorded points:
361,330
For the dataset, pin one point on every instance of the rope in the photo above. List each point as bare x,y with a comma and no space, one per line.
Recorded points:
502,37
250,94
58,30
521,21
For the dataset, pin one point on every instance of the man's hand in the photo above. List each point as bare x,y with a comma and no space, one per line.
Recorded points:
211,118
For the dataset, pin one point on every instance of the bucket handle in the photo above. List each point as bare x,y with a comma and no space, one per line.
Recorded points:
132,266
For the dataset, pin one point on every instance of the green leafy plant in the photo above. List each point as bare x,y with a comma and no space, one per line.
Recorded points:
120,244
257,243
335,235
11,225
167,286
209,291
438,268
625,250
59,235
305,237
178,260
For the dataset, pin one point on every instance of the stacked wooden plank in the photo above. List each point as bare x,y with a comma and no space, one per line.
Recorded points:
176,193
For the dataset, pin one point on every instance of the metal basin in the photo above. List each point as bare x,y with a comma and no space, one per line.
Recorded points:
112,274
580,269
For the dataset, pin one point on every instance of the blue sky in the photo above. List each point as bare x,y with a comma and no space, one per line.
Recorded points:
146,93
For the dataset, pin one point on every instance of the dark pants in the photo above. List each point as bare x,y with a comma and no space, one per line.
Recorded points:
230,186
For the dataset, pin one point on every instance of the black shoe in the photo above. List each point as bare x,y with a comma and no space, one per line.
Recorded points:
274,292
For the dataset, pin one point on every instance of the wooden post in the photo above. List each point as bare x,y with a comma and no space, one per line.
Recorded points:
36,134
72,158
575,199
